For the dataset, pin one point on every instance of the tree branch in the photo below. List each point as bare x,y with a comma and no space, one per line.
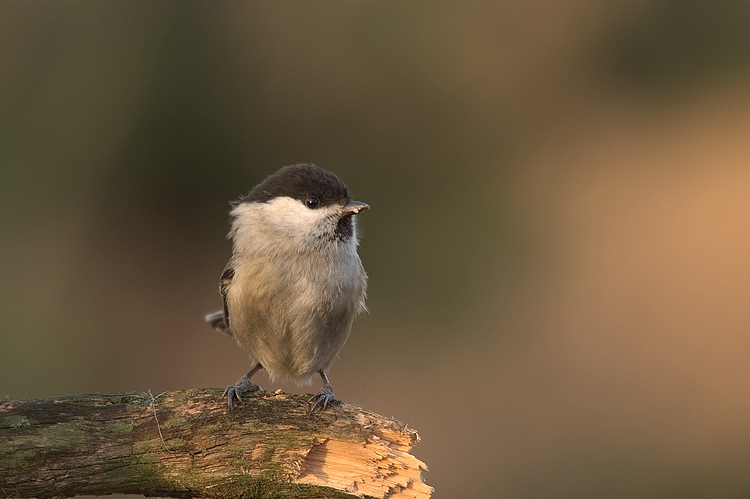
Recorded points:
186,444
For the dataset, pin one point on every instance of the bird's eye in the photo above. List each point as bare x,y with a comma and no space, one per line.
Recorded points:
312,202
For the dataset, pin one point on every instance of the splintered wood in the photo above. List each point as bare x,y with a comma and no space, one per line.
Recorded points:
379,466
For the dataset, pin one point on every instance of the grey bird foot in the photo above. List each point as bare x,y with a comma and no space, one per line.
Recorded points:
323,398
242,386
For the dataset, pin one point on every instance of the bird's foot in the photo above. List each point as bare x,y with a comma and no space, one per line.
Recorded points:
242,386
323,398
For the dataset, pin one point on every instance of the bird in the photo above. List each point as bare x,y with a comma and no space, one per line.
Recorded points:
295,282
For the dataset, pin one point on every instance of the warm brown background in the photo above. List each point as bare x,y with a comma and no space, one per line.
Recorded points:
559,245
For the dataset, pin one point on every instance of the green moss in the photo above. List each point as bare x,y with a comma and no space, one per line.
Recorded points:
175,443
17,421
147,458
268,490
147,446
216,427
258,425
119,427
137,402
64,436
254,491
174,422
18,459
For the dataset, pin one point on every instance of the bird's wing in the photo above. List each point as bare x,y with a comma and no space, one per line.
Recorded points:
219,320
226,280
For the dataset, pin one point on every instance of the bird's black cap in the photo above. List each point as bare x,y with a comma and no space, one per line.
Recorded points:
300,182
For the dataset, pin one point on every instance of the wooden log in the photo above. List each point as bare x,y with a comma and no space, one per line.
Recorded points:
186,444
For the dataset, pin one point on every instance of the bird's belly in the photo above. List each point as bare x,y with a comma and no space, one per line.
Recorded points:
288,329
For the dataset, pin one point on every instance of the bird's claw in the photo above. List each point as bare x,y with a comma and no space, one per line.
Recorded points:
235,391
323,398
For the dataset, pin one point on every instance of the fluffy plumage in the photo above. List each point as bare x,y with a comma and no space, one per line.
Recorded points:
295,283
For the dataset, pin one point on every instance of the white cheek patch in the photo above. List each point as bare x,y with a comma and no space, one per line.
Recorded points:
284,217
284,212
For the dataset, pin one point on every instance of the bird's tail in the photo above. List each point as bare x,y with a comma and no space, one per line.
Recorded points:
218,321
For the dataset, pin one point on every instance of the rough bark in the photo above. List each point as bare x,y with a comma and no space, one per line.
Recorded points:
186,444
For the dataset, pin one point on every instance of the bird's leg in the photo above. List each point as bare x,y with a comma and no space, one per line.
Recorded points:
243,385
324,396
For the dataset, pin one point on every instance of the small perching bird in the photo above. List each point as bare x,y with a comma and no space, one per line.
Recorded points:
294,283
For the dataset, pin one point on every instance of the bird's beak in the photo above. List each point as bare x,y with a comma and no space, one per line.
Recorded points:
354,207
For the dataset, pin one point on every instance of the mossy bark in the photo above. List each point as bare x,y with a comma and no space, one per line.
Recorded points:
181,444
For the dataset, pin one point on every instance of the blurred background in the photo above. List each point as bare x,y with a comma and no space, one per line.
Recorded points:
558,246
